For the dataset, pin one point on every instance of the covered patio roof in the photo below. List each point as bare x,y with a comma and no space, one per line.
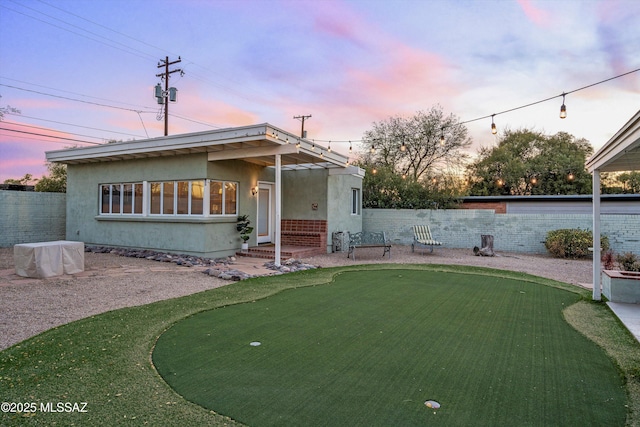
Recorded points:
256,144
620,153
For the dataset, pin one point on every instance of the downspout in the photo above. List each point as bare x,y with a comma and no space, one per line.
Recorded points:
596,234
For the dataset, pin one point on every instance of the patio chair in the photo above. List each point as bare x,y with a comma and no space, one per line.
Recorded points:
422,238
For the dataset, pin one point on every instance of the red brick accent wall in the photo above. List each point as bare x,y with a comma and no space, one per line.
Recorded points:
304,232
498,207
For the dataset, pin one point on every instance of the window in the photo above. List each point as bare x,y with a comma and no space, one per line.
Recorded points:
223,198
176,198
170,198
355,201
118,199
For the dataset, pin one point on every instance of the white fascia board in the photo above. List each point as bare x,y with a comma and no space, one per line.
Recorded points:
174,142
616,146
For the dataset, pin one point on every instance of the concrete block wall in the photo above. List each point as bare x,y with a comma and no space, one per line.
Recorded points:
461,228
28,217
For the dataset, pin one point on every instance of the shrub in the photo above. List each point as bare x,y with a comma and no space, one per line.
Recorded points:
608,260
628,262
572,242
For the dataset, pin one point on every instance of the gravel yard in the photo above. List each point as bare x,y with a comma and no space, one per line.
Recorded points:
30,306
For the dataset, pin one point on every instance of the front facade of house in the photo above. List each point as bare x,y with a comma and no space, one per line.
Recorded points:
183,193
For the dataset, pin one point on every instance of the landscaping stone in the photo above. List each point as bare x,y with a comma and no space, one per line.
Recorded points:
217,267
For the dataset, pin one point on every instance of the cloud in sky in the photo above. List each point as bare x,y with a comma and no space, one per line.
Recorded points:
536,14
348,63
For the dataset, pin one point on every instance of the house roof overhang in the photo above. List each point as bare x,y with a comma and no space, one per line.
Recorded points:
256,144
621,152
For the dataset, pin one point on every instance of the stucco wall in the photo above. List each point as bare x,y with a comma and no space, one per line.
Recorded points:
461,228
341,219
206,236
301,190
29,217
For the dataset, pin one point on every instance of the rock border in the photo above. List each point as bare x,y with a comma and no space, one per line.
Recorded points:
216,267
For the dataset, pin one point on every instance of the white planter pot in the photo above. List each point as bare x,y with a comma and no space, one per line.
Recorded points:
245,246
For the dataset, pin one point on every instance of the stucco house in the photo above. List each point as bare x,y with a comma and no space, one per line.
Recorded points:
183,193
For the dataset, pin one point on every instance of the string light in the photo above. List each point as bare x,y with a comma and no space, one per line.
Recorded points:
298,144
350,148
329,147
570,177
313,145
442,135
563,108
403,147
494,130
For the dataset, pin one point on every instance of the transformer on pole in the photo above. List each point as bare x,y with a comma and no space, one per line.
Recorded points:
169,93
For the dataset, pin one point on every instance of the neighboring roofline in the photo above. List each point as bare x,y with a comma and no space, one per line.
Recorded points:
616,146
555,198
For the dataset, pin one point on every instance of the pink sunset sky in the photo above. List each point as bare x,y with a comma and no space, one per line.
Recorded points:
84,70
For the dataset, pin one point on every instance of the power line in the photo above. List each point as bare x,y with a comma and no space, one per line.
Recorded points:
46,129
103,26
70,99
74,125
72,93
124,47
50,136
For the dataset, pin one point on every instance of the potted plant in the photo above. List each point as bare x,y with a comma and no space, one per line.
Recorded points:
244,229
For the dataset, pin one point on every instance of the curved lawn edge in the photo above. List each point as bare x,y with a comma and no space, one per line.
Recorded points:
105,360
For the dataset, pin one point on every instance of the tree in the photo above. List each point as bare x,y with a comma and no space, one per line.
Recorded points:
630,182
56,181
417,146
25,180
408,161
7,110
526,162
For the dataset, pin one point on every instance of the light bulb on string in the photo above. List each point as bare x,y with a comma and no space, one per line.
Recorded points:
329,147
403,147
563,108
350,148
442,135
494,130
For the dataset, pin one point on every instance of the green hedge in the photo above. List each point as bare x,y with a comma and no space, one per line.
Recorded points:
572,242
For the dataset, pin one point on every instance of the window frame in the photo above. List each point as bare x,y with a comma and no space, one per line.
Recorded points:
356,201
120,187
223,200
167,198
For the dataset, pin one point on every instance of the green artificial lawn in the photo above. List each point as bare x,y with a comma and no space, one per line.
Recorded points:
105,360
373,346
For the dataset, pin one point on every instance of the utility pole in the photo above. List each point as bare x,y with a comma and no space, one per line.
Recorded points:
165,94
302,118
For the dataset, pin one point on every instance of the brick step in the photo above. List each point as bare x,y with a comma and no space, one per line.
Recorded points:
268,252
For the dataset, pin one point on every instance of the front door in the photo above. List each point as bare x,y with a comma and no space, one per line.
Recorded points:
265,213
